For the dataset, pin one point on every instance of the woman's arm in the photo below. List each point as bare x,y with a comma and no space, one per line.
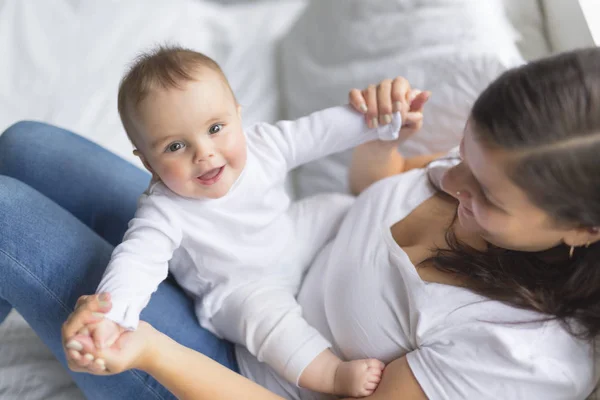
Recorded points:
187,373
374,161
183,371
191,375
378,160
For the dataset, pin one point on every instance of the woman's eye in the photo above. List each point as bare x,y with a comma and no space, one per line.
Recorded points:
216,128
175,147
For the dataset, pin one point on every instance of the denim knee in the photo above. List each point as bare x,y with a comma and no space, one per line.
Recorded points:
20,135
11,194
19,131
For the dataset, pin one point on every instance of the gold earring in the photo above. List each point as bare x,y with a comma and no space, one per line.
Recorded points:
587,245
571,252
457,193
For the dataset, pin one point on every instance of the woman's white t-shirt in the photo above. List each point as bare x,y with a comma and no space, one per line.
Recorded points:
365,296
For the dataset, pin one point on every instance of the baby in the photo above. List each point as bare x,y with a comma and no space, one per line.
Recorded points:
217,215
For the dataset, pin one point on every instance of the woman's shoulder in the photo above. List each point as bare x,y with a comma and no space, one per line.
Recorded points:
413,183
507,352
418,184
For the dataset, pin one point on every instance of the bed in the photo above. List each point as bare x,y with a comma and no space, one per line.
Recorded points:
62,61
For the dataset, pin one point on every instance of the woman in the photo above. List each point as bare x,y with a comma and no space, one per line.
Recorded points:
485,288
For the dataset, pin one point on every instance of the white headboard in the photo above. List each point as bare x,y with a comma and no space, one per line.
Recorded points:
551,26
572,23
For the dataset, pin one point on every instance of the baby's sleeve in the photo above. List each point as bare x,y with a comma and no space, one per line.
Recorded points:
322,133
487,362
140,263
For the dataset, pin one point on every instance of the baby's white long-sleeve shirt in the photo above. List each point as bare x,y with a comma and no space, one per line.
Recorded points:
212,246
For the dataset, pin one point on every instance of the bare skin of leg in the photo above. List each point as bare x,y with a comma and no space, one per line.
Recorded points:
328,374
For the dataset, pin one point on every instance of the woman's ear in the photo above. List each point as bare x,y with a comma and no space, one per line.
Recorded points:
582,236
594,233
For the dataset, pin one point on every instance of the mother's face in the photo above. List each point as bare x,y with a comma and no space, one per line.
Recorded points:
492,206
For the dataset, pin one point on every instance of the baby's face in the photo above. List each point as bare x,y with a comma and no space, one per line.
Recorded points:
192,138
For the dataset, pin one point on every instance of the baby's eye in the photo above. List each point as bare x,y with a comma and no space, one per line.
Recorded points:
216,128
176,146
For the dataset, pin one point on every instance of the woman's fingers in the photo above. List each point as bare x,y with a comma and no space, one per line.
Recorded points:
81,300
358,101
384,101
85,360
98,366
74,355
370,96
399,93
379,102
419,101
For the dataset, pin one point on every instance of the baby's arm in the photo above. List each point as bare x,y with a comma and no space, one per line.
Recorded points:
137,266
322,133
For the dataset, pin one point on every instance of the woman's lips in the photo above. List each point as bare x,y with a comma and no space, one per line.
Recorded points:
212,176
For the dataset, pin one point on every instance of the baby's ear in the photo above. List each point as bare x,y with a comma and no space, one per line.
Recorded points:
239,111
139,154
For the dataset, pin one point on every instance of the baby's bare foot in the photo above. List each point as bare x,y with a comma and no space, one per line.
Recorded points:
358,378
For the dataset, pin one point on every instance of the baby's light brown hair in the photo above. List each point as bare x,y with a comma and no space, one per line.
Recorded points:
166,67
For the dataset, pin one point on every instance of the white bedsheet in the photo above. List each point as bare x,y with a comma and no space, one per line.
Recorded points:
28,370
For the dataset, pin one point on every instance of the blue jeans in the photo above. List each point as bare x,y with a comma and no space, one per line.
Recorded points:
64,204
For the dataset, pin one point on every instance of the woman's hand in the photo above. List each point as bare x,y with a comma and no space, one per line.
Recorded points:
379,102
380,159
131,350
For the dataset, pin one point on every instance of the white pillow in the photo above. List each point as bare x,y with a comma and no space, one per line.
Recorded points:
66,69
453,48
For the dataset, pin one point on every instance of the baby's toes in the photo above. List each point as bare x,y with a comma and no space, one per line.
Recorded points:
374,378
370,388
375,364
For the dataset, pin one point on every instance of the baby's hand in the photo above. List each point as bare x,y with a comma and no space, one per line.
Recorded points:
131,349
105,333
379,102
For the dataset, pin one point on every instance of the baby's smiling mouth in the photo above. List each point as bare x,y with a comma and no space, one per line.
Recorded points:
212,176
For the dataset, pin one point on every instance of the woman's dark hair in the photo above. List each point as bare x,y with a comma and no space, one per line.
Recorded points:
547,114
